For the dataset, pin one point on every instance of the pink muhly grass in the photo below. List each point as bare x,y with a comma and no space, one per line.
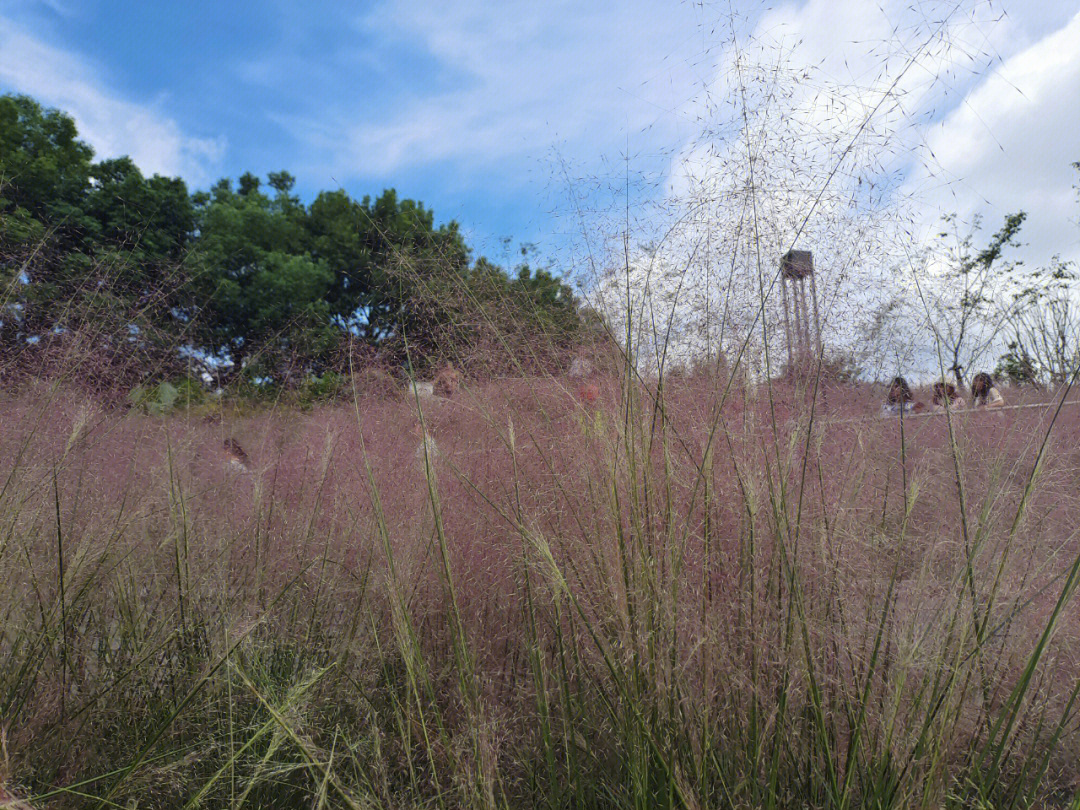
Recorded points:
613,551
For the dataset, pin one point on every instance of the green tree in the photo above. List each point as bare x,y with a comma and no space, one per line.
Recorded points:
259,296
397,277
418,273
149,218
1043,324
44,171
964,305
546,301
88,247
152,273
338,229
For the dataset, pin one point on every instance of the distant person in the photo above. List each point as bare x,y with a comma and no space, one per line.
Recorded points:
589,393
899,399
446,382
945,396
984,394
426,451
236,458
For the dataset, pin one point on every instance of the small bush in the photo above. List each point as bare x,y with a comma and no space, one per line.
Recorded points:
165,397
317,390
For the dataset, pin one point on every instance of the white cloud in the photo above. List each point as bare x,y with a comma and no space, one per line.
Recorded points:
112,125
513,78
1010,145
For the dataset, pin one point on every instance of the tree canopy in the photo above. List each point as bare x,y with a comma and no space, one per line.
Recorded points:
246,274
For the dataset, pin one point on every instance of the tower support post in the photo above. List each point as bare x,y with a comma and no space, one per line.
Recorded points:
800,305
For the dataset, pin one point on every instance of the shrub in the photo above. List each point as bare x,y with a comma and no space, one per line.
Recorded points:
321,389
165,397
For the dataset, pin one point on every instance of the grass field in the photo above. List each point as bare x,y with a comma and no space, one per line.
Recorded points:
727,596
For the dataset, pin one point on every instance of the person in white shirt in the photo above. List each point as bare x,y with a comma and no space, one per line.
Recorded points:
984,394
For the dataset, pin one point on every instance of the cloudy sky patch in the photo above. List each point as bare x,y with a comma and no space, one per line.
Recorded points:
477,108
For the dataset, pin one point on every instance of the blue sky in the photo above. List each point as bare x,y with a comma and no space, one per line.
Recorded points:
464,108
476,107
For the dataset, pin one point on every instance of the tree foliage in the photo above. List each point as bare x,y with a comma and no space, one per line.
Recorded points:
1042,329
963,307
245,276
